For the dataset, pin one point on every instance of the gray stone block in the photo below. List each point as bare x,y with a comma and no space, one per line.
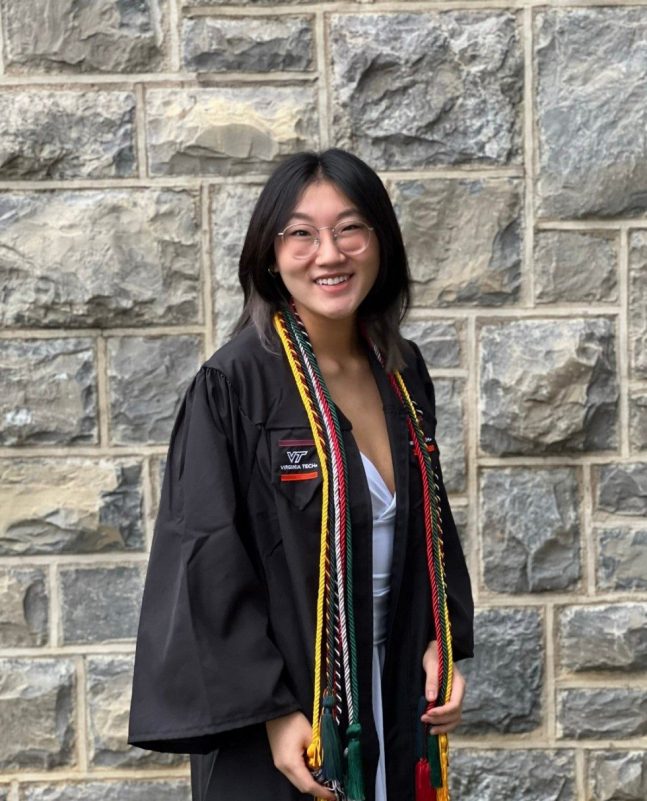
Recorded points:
4,792
621,489
49,394
590,111
638,302
248,44
601,713
147,380
617,775
603,637
530,529
59,134
70,505
100,603
231,209
638,420
36,713
463,239
109,684
504,775
622,558
23,607
121,790
67,36
411,90
504,680
190,3
576,266
100,258
441,342
548,386
450,393
228,130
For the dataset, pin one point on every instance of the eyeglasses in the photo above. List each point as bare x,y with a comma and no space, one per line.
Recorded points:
302,240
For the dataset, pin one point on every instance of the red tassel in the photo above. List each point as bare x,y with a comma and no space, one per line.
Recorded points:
424,790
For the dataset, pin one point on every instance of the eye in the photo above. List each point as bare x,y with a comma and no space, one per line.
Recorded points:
299,232
350,227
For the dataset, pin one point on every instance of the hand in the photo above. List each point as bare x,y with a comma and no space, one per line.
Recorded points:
443,718
289,737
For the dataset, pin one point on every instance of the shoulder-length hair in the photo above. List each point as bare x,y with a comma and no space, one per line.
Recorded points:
264,293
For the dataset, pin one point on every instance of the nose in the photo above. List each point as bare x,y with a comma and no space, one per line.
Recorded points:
328,252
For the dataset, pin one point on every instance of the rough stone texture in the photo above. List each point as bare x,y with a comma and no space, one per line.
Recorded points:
547,386
622,558
100,603
48,392
441,342
70,505
463,239
123,790
449,394
461,519
228,131
148,377
54,135
530,529
23,607
412,90
231,208
601,713
99,258
576,266
590,103
4,792
617,775
638,420
603,637
75,36
248,44
621,489
109,686
36,713
638,303
512,774
190,3
504,679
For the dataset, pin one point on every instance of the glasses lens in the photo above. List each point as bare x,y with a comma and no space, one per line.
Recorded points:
352,237
300,240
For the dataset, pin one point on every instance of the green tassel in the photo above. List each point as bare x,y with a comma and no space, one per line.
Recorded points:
354,775
433,757
332,767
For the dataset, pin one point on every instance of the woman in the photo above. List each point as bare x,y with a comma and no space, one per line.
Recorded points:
296,603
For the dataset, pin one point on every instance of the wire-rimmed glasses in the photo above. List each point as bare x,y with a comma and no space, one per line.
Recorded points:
301,240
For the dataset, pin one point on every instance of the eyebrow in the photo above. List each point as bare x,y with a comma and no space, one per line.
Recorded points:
345,213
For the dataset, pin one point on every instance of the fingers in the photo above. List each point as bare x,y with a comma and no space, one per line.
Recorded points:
446,718
298,774
430,664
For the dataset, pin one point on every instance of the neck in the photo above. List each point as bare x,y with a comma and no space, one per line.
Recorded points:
332,340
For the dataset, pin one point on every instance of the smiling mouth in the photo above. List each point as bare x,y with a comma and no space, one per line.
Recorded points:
338,279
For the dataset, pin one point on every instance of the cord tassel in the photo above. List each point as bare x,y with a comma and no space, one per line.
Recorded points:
433,757
424,790
355,773
332,767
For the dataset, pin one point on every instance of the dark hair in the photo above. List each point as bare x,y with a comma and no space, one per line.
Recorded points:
388,300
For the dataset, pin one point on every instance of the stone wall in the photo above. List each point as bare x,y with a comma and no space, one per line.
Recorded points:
134,137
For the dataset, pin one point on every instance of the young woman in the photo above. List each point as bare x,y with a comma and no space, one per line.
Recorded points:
306,584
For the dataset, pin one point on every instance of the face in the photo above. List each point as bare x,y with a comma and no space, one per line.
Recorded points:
328,284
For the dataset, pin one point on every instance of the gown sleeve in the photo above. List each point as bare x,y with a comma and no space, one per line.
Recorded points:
205,664
459,589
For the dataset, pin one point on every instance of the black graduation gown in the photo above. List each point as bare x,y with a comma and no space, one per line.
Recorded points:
226,635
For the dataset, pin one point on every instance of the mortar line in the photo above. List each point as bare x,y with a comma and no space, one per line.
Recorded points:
103,395
206,257
13,791
152,331
83,451
580,774
623,344
160,80
81,559
82,649
140,131
324,80
148,495
65,776
82,716
471,405
587,538
54,605
528,285
549,677
2,45
175,38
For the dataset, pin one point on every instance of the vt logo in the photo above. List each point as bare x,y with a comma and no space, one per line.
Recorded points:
296,456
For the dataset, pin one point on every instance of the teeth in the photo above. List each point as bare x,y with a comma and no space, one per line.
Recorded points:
340,279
